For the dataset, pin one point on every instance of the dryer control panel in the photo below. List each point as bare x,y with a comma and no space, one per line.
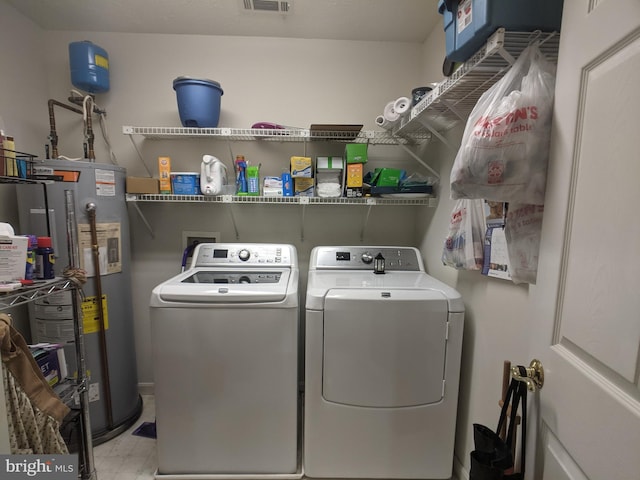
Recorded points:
243,254
407,259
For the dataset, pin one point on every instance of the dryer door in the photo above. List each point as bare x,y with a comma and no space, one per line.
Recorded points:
384,347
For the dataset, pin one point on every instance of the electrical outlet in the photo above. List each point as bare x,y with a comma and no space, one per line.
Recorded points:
188,237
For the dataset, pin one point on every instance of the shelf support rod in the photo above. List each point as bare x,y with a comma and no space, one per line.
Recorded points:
233,221
144,220
419,160
453,108
365,223
436,133
304,209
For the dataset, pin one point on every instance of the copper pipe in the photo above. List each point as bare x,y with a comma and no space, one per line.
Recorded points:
89,135
91,213
53,136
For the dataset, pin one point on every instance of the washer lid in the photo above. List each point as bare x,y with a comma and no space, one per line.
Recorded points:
202,285
384,347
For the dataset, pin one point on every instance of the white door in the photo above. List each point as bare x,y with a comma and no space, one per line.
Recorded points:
586,306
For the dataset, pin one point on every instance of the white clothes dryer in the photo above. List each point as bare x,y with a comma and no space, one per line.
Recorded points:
382,366
225,353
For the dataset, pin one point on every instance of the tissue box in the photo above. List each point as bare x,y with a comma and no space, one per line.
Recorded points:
13,257
329,176
272,187
356,152
301,167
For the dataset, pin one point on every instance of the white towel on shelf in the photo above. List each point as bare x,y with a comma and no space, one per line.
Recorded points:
329,189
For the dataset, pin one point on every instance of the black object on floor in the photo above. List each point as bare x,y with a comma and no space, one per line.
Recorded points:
147,429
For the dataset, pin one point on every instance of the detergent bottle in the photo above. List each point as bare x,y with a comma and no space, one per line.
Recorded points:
241,178
213,175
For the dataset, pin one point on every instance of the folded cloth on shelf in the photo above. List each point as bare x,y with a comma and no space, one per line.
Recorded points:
34,411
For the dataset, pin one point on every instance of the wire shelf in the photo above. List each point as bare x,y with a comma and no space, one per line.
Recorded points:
279,135
430,201
454,98
28,294
15,166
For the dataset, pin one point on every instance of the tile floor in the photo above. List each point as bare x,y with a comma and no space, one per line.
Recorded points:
127,456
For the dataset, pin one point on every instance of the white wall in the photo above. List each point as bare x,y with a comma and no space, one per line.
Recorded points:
496,319
294,82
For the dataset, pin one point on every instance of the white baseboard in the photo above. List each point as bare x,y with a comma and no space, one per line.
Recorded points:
145,388
459,472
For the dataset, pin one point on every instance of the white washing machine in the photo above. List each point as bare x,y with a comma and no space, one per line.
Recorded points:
382,366
225,351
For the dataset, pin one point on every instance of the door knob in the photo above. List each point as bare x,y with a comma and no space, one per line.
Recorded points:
533,375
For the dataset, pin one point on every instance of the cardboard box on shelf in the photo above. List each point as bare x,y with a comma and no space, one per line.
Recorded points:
356,152
303,187
51,360
329,176
301,167
142,185
13,254
353,180
164,171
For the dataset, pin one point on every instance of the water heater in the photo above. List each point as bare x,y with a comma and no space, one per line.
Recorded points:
51,318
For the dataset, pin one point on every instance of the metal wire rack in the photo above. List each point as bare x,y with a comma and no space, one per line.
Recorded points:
29,294
134,197
279,135
453,99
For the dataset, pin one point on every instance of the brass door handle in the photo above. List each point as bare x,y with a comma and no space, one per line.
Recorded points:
534,375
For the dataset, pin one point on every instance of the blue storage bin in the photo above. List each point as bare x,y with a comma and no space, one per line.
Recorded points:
471,22
198,101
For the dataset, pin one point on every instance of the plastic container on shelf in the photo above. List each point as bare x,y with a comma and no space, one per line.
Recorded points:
198,101
45,259
469,23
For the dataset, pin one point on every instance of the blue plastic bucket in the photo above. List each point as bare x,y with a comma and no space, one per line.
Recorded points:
198,101
89,66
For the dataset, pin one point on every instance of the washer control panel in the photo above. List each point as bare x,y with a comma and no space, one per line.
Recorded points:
243,254
406,259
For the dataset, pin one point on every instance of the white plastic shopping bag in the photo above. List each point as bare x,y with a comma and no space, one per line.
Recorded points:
463,247
505,147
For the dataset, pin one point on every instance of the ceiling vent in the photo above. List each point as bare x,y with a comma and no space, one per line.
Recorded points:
278,6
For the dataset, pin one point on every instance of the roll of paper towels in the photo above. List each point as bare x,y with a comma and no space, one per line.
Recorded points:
402,106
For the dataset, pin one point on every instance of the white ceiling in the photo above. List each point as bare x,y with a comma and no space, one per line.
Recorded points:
368,20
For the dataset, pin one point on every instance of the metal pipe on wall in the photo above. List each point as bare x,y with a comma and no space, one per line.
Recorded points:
91,213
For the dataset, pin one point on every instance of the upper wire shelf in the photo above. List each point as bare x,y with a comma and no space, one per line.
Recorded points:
134,197
279,135
454,98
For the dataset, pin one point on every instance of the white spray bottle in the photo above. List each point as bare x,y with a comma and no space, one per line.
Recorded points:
213,175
